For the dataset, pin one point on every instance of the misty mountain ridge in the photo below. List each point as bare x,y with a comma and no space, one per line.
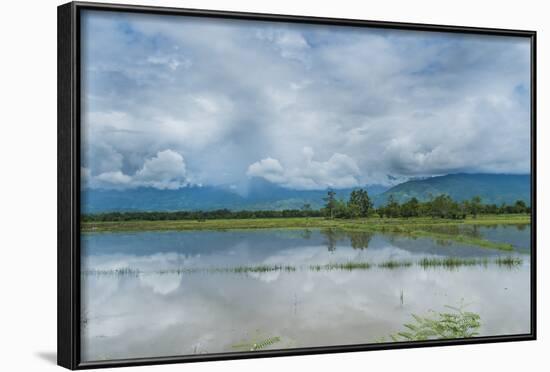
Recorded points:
492,188
264,195
260,195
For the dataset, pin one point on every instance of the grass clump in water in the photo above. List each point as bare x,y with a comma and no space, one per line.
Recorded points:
449,263
457,323
348,266
178,271
260,269
257,345
392,264
508,261
452,262
125,271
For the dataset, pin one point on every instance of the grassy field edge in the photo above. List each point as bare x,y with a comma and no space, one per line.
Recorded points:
411,227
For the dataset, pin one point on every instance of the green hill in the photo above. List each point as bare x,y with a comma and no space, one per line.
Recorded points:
492,188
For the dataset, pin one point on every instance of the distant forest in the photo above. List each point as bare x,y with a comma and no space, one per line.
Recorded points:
359,205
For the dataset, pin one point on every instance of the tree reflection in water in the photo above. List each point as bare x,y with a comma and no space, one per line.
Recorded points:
358,239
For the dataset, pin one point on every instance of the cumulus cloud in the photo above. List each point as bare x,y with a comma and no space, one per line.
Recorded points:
372,103
268,168
339,171
165,170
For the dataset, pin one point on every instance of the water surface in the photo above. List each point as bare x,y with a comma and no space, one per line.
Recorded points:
154,314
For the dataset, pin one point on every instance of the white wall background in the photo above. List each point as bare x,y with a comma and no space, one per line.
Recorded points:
28,183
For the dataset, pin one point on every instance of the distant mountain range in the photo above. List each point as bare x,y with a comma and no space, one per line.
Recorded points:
261,195
493,188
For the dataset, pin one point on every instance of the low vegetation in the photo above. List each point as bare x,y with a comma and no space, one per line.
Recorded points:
456,323
347,266
508,261
359,205
257,345
393,264
259,269
453,262
418,227
425,263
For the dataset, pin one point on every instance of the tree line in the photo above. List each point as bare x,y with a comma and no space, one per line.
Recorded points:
199,215
442,206
358,205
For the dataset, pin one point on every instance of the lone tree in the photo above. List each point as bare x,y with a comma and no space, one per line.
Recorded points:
411,208
306,210
359,203
475,206
520,207
392,208
330,202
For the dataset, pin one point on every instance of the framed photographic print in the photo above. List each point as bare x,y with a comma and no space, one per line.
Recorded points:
237,185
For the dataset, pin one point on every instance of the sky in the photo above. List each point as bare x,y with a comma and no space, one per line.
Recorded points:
169,102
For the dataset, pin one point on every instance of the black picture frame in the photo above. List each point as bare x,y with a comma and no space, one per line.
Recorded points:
68,317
